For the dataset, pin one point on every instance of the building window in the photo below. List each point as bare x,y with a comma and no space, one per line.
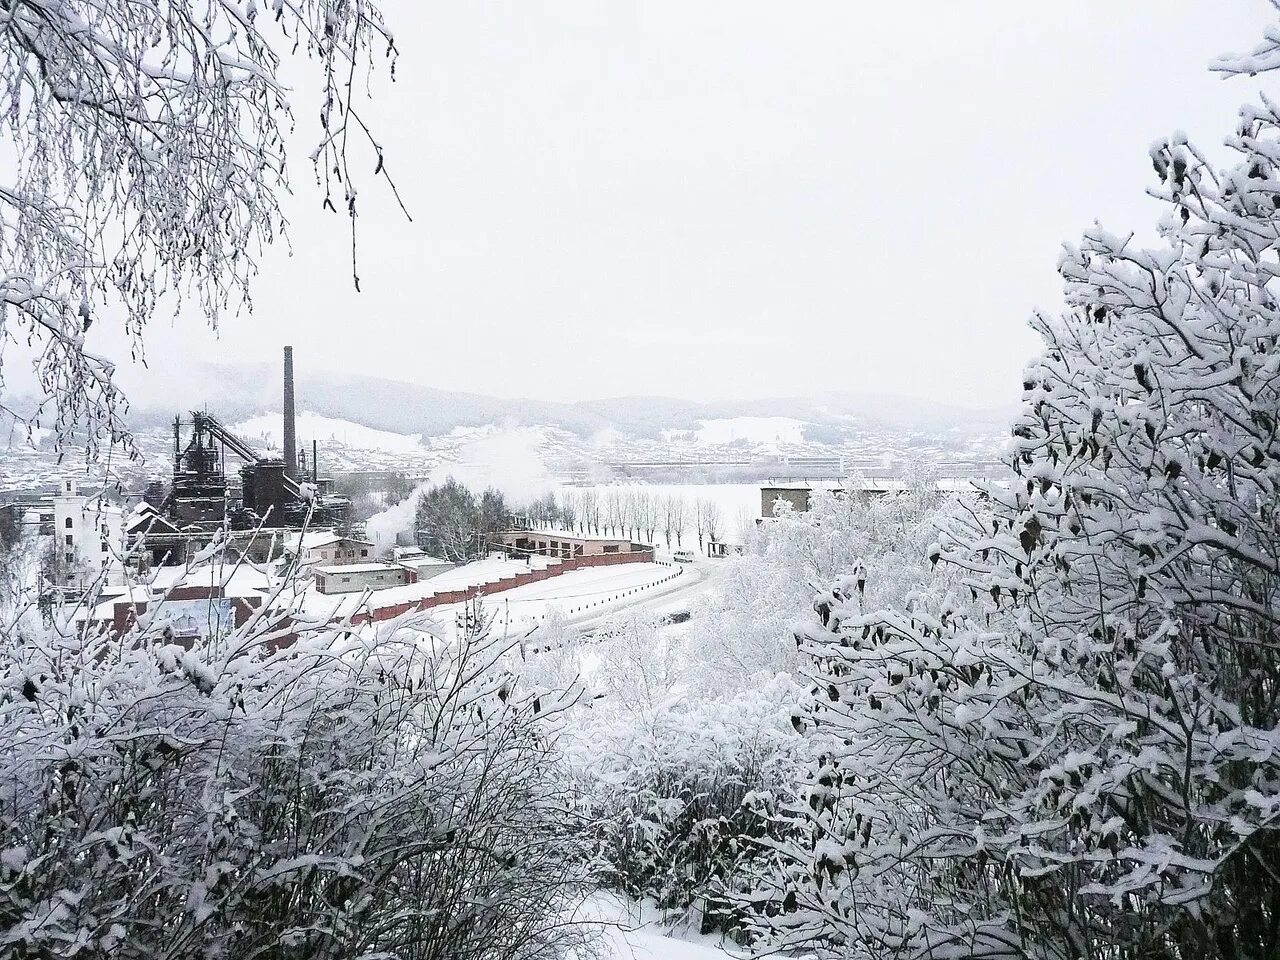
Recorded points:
346,579
364,553
67,524
70,542
71,558
610,548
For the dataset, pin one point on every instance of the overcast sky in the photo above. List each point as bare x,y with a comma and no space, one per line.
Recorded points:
732,198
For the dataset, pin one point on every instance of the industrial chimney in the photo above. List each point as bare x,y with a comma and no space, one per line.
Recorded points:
290,422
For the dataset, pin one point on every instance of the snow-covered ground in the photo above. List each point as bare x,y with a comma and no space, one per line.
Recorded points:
631,931
581,596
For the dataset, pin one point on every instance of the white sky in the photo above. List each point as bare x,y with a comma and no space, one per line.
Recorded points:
730,198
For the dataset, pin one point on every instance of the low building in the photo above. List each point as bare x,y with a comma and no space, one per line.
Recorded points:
417,559
561,544
326,548
356,577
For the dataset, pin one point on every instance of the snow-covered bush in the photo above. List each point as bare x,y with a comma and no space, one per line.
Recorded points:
688,750
745,628
1075,755
682,792
356,793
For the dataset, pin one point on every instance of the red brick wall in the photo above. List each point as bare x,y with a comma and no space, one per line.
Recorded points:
125,612
506,583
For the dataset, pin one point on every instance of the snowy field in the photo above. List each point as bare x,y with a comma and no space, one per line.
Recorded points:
584,595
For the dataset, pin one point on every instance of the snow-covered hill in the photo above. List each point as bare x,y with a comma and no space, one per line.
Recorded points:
265,430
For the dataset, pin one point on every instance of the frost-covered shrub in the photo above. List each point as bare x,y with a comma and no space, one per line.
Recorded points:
744,630
1075,754
681,795
355,793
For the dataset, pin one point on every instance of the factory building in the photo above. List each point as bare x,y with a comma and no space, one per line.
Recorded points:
251,502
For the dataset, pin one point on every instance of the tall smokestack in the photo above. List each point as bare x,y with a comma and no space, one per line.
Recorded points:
290,422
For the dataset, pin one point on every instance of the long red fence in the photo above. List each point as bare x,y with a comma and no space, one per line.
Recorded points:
498,586
127,611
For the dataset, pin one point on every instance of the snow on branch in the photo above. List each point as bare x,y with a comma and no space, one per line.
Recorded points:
148,148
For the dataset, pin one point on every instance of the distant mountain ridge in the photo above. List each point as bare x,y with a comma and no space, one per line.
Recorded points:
236,392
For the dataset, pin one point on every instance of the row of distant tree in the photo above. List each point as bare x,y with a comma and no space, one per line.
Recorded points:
455,523
632,512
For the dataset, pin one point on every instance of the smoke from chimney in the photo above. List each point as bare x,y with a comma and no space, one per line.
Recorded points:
290,418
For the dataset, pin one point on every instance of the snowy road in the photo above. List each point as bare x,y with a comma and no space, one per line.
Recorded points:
696,579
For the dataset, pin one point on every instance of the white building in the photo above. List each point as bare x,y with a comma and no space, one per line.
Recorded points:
352,577
426,566
88,536
326,548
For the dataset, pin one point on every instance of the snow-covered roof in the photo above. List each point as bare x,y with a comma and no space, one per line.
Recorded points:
146,517
235,579
556,533
314,539
422,560
358,568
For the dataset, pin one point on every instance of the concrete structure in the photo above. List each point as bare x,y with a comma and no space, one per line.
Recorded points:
89,538
290,422
355,577
419,560
796,495
799,493
562,544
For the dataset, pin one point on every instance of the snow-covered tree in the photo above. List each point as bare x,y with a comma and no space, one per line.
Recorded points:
371,791
677,788
748,618
616,510
1074,754
677,517
712,521
447,522
146,164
